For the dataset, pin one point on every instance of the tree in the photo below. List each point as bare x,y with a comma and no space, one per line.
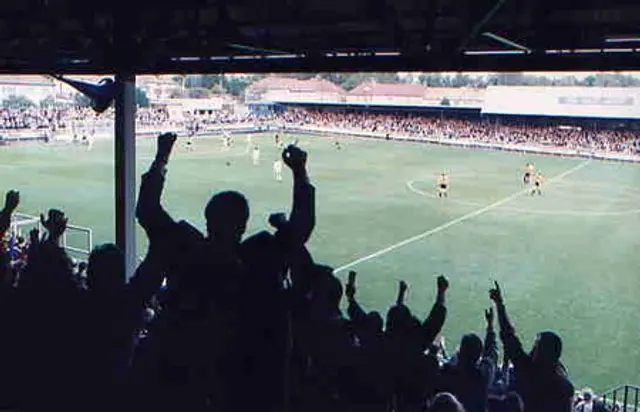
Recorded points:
141,98
589,81
203,81
236,85
49,101
352,80
386,77
177,94
198,93
438,80
15,102
460,80
445,102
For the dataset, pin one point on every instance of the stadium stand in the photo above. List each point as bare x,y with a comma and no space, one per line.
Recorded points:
231,331
143,348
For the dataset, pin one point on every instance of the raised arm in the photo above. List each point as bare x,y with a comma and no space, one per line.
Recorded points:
149,274
402,293
303,212
432,326
11,202
354,310
56,224
150,213
512,345
489,362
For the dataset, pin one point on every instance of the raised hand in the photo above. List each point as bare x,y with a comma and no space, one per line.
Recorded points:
277,220
56,223
34,236
443,284
402,287
350,289
489,316
165,145
295,158
402,291
495,294
12,200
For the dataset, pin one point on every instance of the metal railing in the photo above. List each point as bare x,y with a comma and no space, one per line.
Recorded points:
22,221
624,398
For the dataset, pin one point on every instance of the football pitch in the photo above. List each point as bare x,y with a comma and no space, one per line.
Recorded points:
567,260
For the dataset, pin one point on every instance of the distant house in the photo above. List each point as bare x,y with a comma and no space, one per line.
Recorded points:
158,87
409,94
274,90
179,108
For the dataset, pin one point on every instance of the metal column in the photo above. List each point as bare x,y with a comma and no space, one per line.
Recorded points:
125,168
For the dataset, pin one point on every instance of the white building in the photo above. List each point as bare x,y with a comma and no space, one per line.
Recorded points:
34,88
158,88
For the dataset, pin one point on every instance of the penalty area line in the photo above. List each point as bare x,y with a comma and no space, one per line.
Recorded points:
455,221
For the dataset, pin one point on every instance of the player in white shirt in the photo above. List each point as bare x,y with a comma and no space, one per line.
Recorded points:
226,141
277,169
249,143
256,156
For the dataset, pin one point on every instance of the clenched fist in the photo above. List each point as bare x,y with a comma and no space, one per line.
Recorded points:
12,200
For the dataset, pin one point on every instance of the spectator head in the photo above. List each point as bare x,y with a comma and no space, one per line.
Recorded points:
373,323
470,349
326,290
587,394
445,402
547,349
398,319
512,402
227,214
105,270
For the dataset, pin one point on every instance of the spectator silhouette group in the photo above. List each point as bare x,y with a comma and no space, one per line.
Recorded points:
220,321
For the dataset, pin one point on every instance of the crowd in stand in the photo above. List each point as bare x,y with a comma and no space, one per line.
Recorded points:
588,139
63,117
485,131
218,321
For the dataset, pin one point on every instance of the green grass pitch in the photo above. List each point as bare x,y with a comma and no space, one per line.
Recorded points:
567,260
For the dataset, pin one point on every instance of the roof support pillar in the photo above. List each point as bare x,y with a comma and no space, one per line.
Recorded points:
125,168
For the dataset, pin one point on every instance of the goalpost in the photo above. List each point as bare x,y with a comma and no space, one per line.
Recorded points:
22,224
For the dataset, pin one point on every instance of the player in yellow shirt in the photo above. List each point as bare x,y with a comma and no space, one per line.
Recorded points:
529,171
443,185
538,180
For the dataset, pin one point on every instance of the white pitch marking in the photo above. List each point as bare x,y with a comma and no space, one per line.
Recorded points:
558,212
455,221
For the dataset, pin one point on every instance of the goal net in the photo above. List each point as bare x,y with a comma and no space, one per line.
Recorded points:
76,239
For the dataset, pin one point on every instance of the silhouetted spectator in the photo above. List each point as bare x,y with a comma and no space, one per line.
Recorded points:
207,335
471,372
413,373
371,387
541,378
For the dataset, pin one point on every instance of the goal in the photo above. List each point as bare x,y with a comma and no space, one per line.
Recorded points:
76,239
